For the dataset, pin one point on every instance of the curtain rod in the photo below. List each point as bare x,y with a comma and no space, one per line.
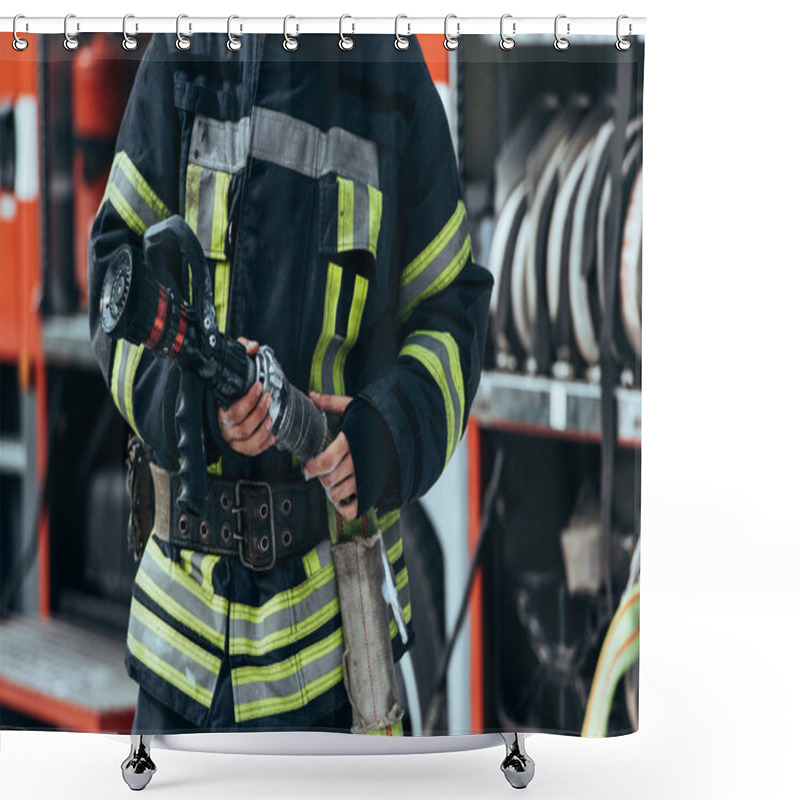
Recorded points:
516,26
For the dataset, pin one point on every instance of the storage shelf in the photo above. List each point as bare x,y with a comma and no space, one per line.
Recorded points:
65,675
65,340
548,407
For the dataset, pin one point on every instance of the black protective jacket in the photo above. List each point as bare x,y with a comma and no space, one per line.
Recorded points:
324,190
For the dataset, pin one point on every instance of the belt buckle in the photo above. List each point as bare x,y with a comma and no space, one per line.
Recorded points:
238,510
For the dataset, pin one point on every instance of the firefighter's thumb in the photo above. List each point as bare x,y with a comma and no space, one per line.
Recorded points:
332,403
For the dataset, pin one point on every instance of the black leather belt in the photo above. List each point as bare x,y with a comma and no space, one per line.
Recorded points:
261,523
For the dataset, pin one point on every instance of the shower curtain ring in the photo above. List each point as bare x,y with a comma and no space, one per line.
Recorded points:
561,43
290,43
400,42
451,42
507,42
623,44
233,44
19,44
182,43
345,42
70,42
129,42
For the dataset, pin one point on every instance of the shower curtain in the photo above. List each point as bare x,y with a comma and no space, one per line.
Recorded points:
444,246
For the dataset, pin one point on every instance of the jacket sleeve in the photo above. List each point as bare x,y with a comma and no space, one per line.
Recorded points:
142,189
404,427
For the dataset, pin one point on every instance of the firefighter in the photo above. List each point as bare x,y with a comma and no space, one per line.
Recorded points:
323,188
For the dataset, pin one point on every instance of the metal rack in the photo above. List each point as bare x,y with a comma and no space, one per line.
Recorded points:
543,406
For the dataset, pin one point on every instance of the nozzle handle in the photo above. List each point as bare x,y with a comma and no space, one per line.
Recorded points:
191,447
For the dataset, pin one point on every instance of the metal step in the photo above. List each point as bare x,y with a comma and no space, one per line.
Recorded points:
65,675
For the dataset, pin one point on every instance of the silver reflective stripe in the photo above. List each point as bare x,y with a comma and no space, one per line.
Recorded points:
287,678
361,226
180,596
419,345
440,272
220,145
193,670
299,146
327,363
125,197
205,210
121,373
298,613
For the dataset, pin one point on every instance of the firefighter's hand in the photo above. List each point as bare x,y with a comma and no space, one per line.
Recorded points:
246,426
334,466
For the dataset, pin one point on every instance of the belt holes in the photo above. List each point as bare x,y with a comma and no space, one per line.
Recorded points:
286,537
263,510
226,532
263,544
286,507
225,501
183,525
205,529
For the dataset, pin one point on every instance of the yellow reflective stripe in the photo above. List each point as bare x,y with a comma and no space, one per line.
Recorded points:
222,282
449,343
125,210
396,729
332,290
450,381
131,195
311,563
344,239
437,265
454,374
282,600
353,329
123,372
243,646
434,367
375,213
118,401
171,570
177,611
389,519
279,705
206,568
436,245
173,637
289,666
395,551
443,280
219,225
134,357
140,184
216,468
342,529
192,203
401,579
406,617
168,672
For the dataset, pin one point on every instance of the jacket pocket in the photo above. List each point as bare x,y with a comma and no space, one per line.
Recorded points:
206,208
217,151
350,216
